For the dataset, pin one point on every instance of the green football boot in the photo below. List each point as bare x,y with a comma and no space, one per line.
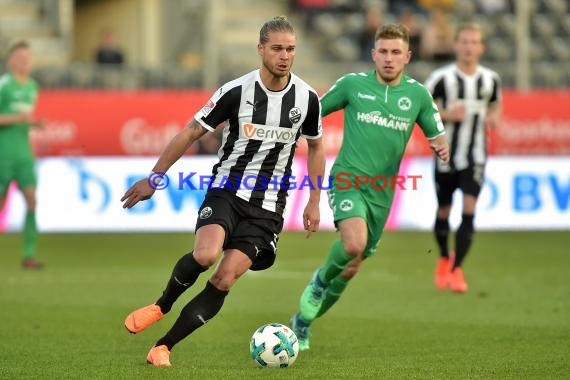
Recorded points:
312,298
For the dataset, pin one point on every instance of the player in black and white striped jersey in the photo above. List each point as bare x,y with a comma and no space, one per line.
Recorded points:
261,128
469,98
263,114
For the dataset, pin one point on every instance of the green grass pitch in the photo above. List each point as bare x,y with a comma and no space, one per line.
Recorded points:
67,320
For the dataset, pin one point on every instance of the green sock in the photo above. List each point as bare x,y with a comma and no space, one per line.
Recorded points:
30,235
335,289
337,260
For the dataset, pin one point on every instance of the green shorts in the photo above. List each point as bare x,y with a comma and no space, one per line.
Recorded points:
23,171
354,203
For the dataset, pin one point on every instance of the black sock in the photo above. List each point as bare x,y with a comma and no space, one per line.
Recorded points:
184,274
441,231
463,239
195,314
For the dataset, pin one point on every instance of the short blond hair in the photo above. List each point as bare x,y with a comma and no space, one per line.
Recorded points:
20,44
470,26
393,32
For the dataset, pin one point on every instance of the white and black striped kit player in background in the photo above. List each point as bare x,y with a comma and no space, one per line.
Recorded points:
469,99
262,114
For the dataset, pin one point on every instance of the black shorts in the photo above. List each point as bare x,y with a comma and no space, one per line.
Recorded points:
469,181
250,229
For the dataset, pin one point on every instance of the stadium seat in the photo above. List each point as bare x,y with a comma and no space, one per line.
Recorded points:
110,77
559,49
180,78
542,26
328,25
345,49
556,7
507,25
505,70
538,51
464,9
153,78
547,75
353,23
50,77
565,25
82,75
499,49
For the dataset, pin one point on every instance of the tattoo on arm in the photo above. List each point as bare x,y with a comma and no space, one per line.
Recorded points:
196,129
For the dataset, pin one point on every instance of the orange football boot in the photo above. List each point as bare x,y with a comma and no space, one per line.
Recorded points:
32,263
141,318
457,281
442,273
159,356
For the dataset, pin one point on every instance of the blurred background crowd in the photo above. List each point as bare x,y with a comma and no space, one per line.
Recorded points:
141,44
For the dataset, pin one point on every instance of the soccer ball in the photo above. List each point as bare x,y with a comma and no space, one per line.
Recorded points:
274,345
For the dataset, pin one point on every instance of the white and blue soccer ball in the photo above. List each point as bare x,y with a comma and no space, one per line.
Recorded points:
274,345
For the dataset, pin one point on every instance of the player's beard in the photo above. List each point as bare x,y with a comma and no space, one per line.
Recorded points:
276,73
389,78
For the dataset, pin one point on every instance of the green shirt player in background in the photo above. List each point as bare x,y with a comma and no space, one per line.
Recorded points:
18,96
380,110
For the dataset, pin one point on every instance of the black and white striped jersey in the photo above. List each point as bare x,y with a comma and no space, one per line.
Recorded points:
261,129
467,139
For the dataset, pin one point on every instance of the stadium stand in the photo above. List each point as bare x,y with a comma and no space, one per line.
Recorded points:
549,33
329,45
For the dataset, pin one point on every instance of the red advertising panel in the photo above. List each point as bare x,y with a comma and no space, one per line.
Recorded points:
108,123
535,123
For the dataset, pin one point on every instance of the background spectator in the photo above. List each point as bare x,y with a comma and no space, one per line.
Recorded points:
409,18
312,8
431,4
397,7
108,52
372,21
437,39
492,7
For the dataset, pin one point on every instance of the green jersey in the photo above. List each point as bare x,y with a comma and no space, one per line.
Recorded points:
378,122
16,97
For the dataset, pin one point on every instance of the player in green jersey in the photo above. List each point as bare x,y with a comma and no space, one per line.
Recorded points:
380,109
18,96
